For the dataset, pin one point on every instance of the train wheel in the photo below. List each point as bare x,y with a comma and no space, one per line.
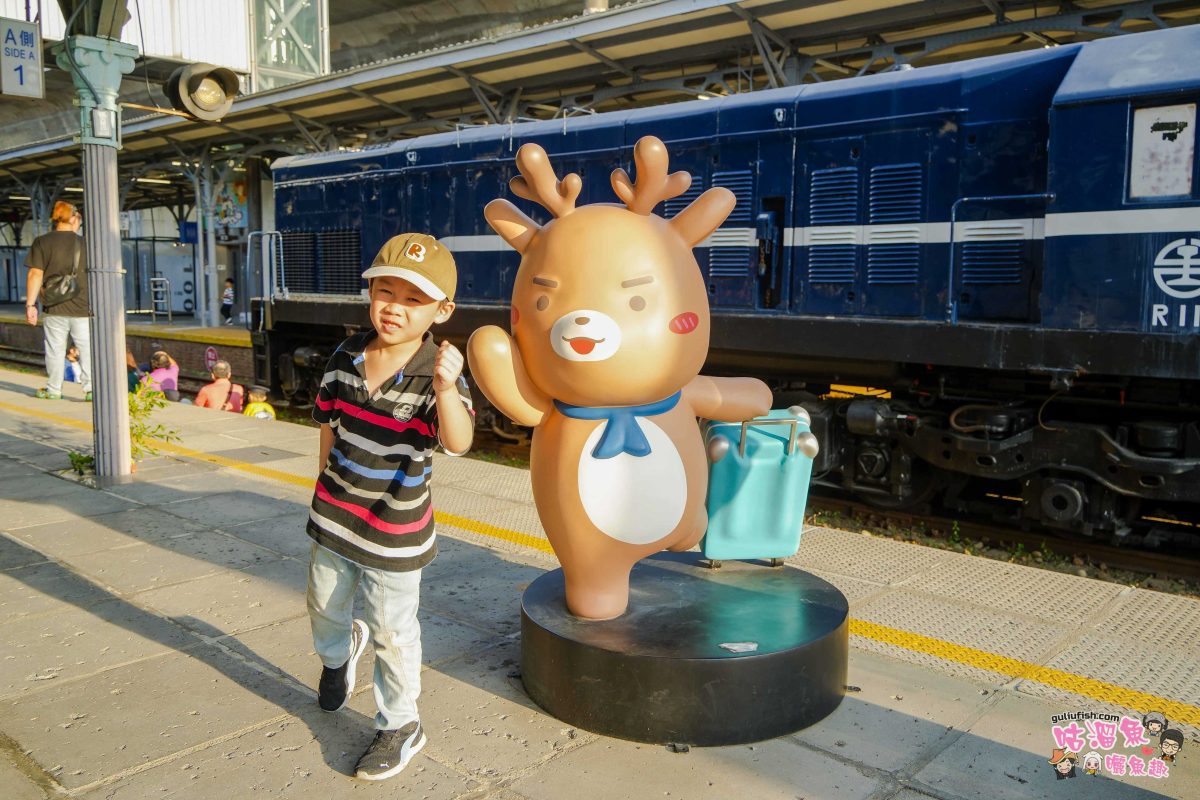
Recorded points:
926,482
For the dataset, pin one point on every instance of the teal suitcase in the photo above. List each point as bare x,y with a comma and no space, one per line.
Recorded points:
759,473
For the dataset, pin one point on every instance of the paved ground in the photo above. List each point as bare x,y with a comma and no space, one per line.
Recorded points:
154,643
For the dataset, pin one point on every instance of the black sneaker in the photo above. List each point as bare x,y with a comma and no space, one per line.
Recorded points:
390,752
337,684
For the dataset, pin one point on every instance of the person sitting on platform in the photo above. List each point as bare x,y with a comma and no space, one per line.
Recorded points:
258,407
222,393
133,372
164,375
71,366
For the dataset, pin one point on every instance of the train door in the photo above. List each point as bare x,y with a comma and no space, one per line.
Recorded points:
997,260
829,252
893,261
732,248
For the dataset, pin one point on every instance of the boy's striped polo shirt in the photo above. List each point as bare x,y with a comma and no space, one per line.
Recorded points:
371,503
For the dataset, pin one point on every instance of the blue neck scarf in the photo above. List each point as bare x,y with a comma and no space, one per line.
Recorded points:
621,434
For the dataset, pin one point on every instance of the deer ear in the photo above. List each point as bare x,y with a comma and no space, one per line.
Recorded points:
511,223
704,215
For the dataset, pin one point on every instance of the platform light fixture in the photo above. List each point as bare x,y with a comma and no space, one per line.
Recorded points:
204,91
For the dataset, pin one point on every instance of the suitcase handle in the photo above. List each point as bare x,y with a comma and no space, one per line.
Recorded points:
791,445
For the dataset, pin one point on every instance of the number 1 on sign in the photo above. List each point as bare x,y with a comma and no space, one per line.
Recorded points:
20,70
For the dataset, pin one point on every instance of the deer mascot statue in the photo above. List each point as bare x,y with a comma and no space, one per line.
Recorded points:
610,328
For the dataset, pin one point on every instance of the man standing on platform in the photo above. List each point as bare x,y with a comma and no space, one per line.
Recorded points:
57,264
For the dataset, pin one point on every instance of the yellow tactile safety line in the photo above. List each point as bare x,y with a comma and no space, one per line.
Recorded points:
1124,697
1013,668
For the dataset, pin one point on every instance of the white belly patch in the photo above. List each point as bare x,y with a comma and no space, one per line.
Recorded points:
632,499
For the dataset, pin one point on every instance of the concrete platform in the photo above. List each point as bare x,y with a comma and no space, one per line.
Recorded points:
154,643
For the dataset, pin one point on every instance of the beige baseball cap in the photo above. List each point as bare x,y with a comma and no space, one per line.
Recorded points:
419,259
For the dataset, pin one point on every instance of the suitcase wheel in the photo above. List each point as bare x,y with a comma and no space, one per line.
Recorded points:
776,562
712,563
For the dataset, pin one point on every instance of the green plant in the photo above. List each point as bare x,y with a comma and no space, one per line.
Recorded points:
81,462
954,532
143,402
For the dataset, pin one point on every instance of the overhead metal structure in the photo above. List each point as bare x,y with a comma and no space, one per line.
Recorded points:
636,53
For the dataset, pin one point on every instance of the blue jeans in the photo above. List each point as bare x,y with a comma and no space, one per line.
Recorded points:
390,601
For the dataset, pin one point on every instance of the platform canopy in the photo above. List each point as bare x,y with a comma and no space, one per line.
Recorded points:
405,69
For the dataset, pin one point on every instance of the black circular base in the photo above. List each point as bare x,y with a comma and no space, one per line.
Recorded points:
659,673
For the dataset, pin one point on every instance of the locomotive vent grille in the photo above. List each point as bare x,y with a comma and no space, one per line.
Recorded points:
993,253
676,204
894,251
341,262
741,183
299,261
731,250
833,200
322,262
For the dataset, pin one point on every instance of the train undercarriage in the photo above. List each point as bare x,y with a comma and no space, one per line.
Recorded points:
1089,459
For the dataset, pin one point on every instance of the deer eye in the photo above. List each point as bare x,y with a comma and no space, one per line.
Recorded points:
542,303
637,302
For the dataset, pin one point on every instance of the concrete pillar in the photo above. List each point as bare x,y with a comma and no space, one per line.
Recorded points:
106,281
96,65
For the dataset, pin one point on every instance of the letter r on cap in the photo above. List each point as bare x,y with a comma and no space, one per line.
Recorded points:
415,251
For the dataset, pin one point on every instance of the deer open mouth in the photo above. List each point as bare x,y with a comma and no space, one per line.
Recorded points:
582,344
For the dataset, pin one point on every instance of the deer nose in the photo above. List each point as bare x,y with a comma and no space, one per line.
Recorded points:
582,320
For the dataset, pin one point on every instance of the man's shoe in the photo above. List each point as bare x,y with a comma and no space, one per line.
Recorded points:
46,394
390,752
336,685
87,397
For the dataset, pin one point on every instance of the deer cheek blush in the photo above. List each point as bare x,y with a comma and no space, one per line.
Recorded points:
516,315
684,323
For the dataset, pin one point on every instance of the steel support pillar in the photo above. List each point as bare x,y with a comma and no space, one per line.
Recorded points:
96,64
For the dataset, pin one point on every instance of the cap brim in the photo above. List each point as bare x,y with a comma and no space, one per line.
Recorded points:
415,278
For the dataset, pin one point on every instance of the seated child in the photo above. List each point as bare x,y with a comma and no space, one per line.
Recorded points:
258,407
71,367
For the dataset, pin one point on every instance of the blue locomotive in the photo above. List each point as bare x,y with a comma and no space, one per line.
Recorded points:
1007,249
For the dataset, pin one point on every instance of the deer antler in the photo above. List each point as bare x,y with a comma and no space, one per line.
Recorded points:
541,185
653,183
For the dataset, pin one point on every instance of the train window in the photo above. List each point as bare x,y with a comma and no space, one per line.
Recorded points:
1162,151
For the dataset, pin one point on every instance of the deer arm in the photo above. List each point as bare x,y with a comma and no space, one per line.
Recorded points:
497,368
728,399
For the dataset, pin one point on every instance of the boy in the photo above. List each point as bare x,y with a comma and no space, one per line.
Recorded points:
258,407
227,302
389,395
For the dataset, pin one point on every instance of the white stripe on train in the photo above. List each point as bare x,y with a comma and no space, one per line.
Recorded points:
1089,223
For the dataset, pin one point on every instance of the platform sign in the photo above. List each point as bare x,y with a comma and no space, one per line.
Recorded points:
210,357
21,59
